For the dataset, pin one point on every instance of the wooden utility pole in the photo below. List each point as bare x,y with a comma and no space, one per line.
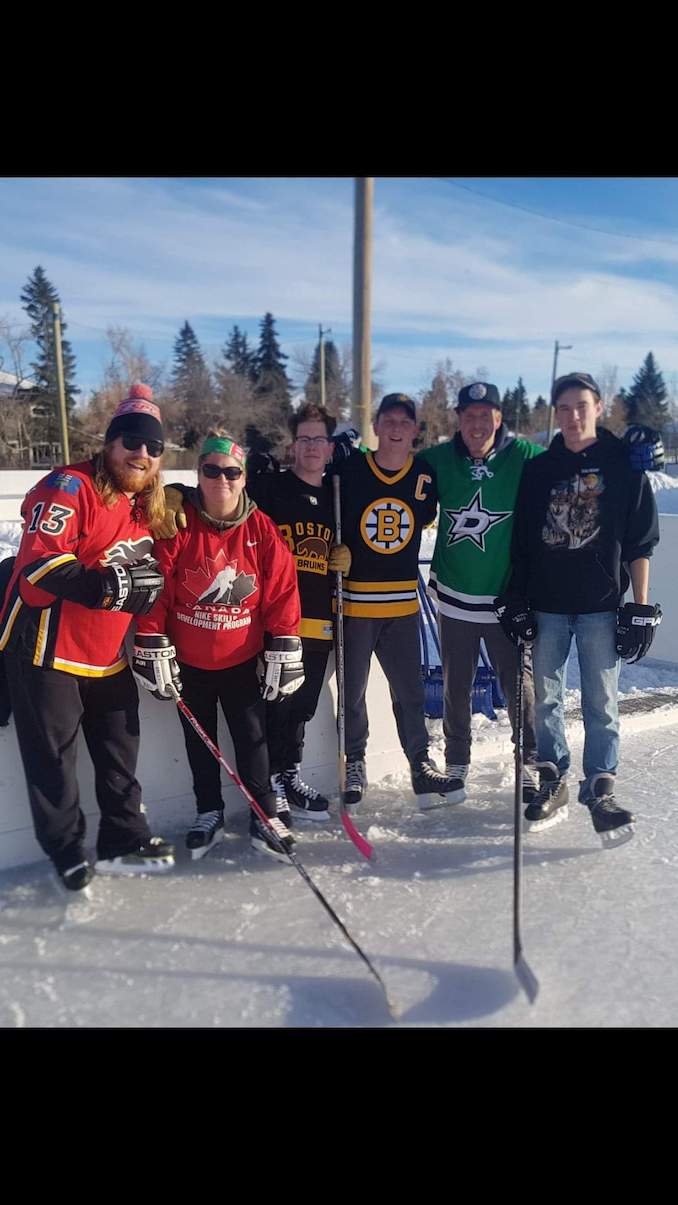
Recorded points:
63,418
362,291
552,414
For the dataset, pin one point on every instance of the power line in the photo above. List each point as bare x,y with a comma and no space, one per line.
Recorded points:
545,217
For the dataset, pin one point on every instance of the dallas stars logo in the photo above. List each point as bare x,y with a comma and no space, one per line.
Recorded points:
472,522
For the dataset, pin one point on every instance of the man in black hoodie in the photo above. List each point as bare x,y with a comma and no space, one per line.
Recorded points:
585,521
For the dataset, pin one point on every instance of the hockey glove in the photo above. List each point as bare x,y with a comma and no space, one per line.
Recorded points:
261,462
132,586
518,621
174,517
646,450
154,665
283,667
636,626
340,559
343,444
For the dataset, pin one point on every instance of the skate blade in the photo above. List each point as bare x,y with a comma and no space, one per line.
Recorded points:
314,817
72,897
197,854
156,866
260,847
539,826
428,802
617,836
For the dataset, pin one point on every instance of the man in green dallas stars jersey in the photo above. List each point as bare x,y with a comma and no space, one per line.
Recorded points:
477,474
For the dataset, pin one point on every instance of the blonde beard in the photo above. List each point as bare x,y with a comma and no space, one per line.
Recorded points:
110,484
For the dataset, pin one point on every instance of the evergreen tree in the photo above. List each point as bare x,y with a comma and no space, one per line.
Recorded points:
540,416
337,392
192,386
516,408
36,298
646,399
273,402
238,353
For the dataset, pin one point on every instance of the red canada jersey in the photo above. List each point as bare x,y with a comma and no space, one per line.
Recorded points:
68,532
224,590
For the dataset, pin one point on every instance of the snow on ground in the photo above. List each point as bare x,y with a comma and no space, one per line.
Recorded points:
239,940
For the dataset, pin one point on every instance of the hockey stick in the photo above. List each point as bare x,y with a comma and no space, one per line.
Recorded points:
259,811
524,973
360,842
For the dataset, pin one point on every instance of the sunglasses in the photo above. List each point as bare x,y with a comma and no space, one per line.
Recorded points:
154,447
231,472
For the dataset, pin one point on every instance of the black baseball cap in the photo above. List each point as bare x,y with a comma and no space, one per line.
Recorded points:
398,399
479,392
573,379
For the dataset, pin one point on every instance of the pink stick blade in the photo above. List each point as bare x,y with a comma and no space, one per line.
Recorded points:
360,842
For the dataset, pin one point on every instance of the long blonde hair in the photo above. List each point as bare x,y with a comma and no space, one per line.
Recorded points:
152,498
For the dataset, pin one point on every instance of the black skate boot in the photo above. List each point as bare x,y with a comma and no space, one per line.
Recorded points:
434,789
263,841
206,830
614,825
549,805
301,798
154,856
75,880
530,783
356,784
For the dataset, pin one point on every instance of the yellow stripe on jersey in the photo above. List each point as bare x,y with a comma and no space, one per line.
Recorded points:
375,587
81,670
47,567
384,610
9,623
394,477
316,629
41,641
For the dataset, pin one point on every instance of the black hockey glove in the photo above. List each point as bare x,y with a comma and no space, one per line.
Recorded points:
154,665
636,626
261,462
517,620
343,444
646,449
283,667
130,586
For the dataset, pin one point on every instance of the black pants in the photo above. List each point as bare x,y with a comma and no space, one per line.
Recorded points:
286,719
49,708
237,690
397,647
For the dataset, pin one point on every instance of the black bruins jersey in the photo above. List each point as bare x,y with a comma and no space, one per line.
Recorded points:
383,516
304,516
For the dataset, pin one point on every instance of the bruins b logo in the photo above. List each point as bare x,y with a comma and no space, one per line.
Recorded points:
387,525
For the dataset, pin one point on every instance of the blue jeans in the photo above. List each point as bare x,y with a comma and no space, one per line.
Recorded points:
599,672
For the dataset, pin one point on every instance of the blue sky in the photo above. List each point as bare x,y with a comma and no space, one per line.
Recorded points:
489,280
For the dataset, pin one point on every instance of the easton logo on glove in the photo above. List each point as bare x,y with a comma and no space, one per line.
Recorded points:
636,626
132,588
283,667
154,666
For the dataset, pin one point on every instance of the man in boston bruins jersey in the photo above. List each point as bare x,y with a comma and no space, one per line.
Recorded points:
387,499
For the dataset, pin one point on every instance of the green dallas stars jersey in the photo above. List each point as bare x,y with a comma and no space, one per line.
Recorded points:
471,561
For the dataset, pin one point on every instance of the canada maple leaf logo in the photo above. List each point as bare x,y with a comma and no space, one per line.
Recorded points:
219,582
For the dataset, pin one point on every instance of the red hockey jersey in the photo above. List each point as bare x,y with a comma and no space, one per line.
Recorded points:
223,590
68,533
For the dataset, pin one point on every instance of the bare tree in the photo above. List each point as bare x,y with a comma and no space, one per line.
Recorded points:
608,382
17,395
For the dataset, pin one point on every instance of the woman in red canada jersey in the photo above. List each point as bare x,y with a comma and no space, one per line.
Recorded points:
230,596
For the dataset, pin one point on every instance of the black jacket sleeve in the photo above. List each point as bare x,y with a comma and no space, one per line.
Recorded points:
642,524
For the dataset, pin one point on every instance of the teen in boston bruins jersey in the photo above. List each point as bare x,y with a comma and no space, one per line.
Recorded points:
387,499
300,502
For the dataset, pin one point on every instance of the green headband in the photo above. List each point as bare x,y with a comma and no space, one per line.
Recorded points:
227,447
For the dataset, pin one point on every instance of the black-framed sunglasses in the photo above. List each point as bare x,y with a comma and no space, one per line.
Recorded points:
231,471
154,447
